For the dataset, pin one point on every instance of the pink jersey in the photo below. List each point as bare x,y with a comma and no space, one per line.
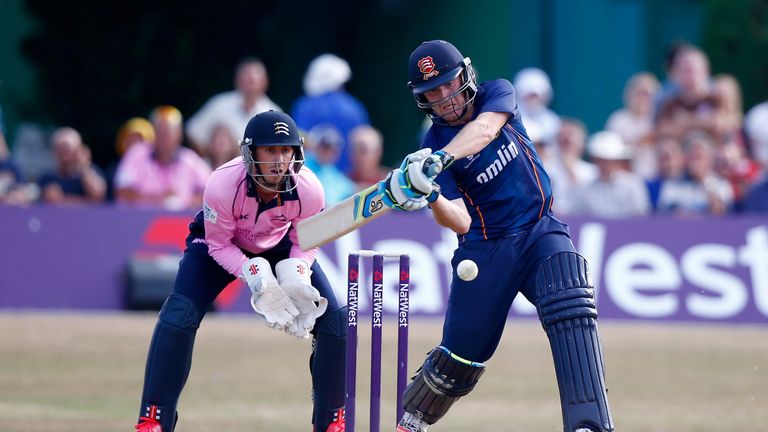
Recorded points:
236,219
183,179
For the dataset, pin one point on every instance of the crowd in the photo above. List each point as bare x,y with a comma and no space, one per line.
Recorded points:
682,146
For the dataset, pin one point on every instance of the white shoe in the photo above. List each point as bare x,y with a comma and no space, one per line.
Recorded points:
412,423
583,430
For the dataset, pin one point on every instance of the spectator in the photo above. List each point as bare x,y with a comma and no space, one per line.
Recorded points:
756,200
366,150
727,90
135,130
534,93
756,128
669,87
670,162
567,170
634,122
693,105
323,147
163,174
325,101
222,147
617,192
12,189
701,191
76,179
234,108
733,165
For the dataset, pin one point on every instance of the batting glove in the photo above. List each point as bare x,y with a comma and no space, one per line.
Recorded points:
267,298
398,196
293,275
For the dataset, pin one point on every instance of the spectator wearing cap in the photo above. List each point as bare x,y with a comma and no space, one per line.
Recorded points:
322,151
366,146
163,174
534,93
756,129
233,108
76,179
326,101
137,130
616,192
567,169
701,191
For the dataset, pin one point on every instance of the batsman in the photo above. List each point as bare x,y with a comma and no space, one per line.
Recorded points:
245,230
492,191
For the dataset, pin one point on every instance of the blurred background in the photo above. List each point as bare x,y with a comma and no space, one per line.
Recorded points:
92,66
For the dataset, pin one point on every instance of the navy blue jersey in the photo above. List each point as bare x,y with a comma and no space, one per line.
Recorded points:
504,186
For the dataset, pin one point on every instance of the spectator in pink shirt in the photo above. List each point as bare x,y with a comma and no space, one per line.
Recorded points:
163,174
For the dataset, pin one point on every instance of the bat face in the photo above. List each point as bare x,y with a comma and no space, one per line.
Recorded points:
367,203
344,217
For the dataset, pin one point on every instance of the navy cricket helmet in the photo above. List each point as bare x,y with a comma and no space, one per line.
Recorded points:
268,129
435,63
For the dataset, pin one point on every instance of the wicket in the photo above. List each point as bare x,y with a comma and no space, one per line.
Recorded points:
377,302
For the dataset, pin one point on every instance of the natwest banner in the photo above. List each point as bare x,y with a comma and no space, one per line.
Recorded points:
655,268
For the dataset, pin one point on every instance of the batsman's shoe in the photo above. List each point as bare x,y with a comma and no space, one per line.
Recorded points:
148,425
411,423
339,423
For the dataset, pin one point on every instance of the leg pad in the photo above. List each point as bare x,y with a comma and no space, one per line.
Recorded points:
567,310
442,380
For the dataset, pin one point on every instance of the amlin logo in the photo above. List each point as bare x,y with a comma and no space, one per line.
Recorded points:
506,153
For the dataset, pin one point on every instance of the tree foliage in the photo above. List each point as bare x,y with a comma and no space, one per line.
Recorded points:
735,36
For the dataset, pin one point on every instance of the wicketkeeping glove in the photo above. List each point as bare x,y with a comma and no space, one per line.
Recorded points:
267,298
293,275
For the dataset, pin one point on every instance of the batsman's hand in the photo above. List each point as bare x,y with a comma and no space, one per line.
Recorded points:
267,298
397,195
412,175
422,167
293,275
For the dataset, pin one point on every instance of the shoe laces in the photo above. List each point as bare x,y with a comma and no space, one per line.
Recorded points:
146,424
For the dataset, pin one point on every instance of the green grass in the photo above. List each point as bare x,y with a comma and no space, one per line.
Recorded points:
84,372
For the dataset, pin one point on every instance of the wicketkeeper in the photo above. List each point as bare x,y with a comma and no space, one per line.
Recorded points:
244,230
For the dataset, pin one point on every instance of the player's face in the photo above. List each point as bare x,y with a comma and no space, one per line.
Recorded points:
444,104
274,162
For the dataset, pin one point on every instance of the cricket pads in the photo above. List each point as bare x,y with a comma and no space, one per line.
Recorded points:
442,380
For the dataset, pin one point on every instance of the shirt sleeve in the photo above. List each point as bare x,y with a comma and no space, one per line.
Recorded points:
312,197
499,96
220,227
128,170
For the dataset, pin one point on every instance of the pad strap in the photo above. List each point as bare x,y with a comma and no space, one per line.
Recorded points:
442,380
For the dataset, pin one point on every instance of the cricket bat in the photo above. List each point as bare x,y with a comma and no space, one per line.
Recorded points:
344,217
357,210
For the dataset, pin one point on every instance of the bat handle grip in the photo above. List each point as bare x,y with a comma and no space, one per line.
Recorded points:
435,163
